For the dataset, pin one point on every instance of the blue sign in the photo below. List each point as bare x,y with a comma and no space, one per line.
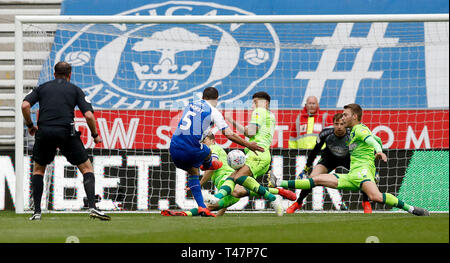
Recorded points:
143,66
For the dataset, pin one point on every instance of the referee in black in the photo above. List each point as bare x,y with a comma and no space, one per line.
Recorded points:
55,129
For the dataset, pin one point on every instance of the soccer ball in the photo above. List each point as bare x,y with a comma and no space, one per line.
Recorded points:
236,159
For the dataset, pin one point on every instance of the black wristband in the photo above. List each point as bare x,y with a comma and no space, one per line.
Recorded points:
94,135
30,125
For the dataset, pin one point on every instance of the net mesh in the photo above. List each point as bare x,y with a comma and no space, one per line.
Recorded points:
140,76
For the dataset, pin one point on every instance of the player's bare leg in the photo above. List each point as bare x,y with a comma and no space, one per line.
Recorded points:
366,200
327,180
239,191
374,194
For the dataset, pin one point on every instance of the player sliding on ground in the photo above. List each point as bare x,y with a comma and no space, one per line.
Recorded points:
362,166
218,177
260,130
186,148
335,154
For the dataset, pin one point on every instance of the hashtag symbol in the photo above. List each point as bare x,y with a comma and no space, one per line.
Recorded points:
360,70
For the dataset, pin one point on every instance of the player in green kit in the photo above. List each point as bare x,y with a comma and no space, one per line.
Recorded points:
218,177
260,130
362,166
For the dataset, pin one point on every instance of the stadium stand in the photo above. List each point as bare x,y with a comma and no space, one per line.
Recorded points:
33,59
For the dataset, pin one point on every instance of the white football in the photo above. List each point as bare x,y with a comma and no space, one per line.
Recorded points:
236,159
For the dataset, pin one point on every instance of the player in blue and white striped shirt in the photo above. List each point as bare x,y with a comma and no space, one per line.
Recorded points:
186,148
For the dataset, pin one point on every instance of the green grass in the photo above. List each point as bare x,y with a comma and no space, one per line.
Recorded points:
231,228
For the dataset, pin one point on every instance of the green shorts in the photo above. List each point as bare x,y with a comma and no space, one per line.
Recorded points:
259,163
355,177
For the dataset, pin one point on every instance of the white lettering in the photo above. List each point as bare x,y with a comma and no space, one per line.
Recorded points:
417,142
60,183
200,253
180,191
26,182
92,91
390,133
126,138
164,137
143,163
101,182
7,175
280,129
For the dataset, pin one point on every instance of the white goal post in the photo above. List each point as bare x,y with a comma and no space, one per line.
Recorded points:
20,21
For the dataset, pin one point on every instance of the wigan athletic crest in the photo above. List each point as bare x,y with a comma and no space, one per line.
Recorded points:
144,66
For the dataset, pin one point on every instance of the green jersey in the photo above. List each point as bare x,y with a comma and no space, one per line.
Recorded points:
225,170
361,153
265,120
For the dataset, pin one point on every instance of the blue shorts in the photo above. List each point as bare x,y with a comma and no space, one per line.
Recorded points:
187,157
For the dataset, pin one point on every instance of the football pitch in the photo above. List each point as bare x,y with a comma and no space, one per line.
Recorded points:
230,228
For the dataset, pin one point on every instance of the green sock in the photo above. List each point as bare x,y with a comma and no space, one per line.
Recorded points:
252,194
391,200
226,188
227,201
251,184
304,184
274,191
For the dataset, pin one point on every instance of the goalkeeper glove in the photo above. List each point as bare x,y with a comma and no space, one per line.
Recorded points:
306,172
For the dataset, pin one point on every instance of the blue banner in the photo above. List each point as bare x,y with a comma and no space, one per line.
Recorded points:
378,65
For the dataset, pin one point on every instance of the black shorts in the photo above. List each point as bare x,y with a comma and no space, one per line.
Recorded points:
331,162
48,139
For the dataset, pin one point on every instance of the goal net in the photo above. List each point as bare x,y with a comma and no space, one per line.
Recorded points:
139,73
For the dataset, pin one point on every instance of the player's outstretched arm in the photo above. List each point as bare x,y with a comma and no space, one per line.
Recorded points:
206,176
375,144
249,130
235,138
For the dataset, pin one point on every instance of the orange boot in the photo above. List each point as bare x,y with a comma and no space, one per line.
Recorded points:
294,207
